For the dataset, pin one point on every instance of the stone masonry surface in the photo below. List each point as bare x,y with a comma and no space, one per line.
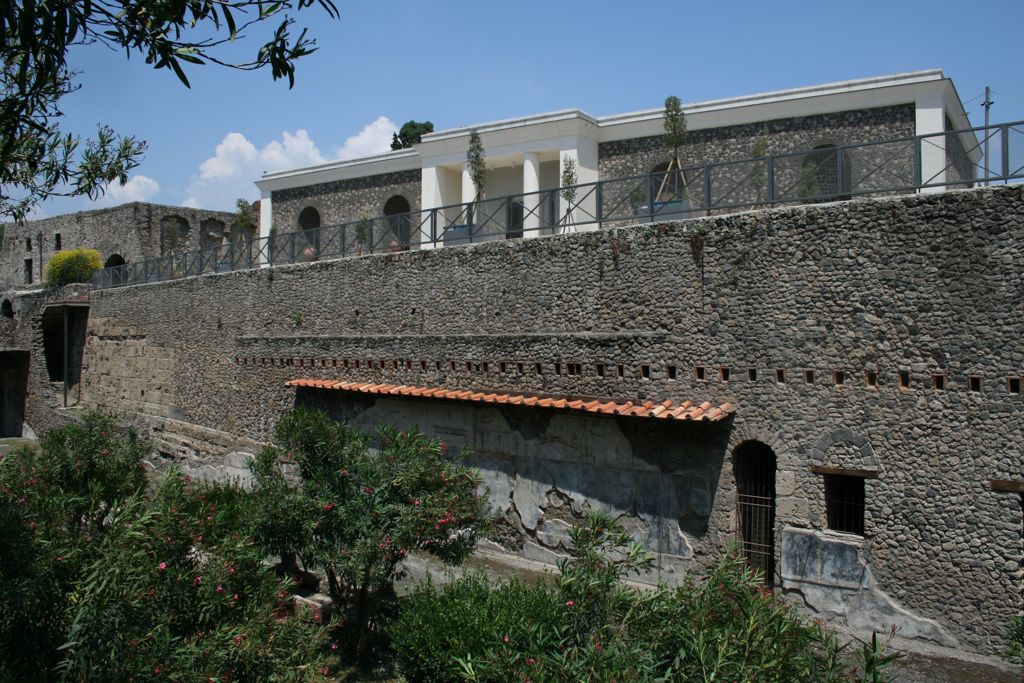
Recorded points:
726,309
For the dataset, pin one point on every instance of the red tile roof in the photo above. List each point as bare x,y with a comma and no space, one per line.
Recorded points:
665,410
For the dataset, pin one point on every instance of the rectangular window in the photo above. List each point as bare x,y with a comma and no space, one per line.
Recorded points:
809,376
752,374
904,379
645,371
699,373
844,503
871,378
974,383
671,371
780,375
56,242
600,369
28,271
725,374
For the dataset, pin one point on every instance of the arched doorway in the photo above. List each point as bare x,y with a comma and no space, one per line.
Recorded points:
309,224
396,213
754,466
6,309
116,276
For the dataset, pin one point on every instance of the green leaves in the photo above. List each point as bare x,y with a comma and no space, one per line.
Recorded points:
37,160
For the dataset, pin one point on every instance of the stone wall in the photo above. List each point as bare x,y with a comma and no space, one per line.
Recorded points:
134,231
745,184
344,201
734,308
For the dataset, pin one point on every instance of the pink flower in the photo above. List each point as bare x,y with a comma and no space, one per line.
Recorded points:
416,502
328,507
334,646
504,639
197,580
163,566
570,603
220,588
238,639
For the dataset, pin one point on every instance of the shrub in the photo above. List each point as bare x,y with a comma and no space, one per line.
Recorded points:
100,581
592,627
72,265
359,511
1015,640
436,626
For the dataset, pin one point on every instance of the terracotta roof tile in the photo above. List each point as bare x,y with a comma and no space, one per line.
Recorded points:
686,410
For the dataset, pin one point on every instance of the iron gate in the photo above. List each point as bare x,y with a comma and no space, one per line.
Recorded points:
755,503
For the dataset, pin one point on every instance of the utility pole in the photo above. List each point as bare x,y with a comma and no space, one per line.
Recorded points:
987,104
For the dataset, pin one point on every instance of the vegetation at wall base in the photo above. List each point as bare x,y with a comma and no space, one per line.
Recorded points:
593,627
72,265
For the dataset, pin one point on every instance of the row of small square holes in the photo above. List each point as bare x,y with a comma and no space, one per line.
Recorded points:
839,377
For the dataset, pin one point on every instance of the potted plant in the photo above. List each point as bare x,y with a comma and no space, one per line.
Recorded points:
673,190
568,191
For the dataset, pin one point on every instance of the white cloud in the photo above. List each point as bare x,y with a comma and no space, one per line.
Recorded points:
374,138
237,163
139,188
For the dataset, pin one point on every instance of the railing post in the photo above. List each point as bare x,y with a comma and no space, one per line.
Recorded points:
771,181
369,233
650,195
433,226
599,198
1004,133
839,172
341,240
918,179
707,191
291,248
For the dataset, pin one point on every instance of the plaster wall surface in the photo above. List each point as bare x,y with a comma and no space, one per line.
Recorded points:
923,285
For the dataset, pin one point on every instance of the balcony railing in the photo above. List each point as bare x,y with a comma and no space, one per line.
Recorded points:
921,163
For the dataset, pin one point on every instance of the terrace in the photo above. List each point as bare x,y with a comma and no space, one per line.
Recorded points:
938,162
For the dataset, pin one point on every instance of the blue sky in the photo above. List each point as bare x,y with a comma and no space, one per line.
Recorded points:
457,62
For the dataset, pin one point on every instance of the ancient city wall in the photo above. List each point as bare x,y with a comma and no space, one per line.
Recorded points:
729,309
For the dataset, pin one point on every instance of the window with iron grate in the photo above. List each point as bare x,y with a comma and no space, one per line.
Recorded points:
844,503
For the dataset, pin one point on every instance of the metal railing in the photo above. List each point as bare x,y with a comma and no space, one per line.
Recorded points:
953,159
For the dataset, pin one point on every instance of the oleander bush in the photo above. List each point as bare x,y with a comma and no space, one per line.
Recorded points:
1015,640
591,626
102,580
359,506
72,265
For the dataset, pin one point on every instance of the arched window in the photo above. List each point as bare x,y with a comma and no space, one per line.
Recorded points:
173,234
211,234
113,261
7,309
396,212
825,174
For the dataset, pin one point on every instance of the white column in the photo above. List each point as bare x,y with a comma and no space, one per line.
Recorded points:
930,117
533,204
431,196
266,223
468,190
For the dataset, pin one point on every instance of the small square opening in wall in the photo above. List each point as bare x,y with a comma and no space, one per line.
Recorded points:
808,376
780,375
699,373
408,364
620,370
423,365
1013,385
28,244
974,383
502,367
904,377
437,365
645,371
574,369
451,365
752,374
538,369
600,369
844,503
56,242
485,366
871,378
558,368
469,366
724,373
838,377
519,368
939,382
671,370
476,367
394,365
356,364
